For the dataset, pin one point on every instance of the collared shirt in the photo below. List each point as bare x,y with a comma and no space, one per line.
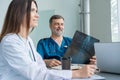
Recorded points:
49,49
17,61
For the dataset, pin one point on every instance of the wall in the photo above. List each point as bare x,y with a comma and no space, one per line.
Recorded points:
100,20
42,30
68,9
3,7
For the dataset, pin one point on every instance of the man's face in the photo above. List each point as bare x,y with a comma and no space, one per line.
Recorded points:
57,27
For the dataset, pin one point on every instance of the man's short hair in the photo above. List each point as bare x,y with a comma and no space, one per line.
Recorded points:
55,17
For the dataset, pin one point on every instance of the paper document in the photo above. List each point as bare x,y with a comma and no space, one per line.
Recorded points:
94,77
73,66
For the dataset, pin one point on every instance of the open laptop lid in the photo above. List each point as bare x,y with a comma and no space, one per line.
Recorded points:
108,56
81,48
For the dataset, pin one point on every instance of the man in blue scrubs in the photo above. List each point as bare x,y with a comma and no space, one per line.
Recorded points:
53,48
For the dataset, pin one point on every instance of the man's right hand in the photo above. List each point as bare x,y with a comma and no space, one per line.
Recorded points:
52,62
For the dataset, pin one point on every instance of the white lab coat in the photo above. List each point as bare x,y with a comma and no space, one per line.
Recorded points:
16,62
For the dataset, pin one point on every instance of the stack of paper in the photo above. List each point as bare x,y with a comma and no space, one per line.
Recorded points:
94,77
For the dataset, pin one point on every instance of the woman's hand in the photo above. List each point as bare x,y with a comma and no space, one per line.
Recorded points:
85,72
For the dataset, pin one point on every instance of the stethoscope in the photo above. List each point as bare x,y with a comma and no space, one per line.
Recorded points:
30,48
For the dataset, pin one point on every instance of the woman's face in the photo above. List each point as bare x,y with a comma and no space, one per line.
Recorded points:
34,16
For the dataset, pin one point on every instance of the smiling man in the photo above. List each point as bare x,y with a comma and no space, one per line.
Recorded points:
53,48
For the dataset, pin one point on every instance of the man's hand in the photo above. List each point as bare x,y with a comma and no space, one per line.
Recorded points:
93,60
52,62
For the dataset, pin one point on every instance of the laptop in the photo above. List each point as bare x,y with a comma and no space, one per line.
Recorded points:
81,48
108,57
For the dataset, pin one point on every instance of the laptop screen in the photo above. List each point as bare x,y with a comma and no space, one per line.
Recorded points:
81,48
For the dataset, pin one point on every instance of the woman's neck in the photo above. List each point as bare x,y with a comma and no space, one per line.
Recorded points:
22,35
23,32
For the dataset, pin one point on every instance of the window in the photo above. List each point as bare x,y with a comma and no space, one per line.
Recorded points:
115,20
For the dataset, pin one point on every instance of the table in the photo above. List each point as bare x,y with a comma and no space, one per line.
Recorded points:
110,76
107,76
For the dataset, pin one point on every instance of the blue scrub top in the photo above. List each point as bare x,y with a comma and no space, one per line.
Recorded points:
49,49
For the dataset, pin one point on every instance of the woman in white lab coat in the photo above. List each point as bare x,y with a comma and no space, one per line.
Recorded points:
18,57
